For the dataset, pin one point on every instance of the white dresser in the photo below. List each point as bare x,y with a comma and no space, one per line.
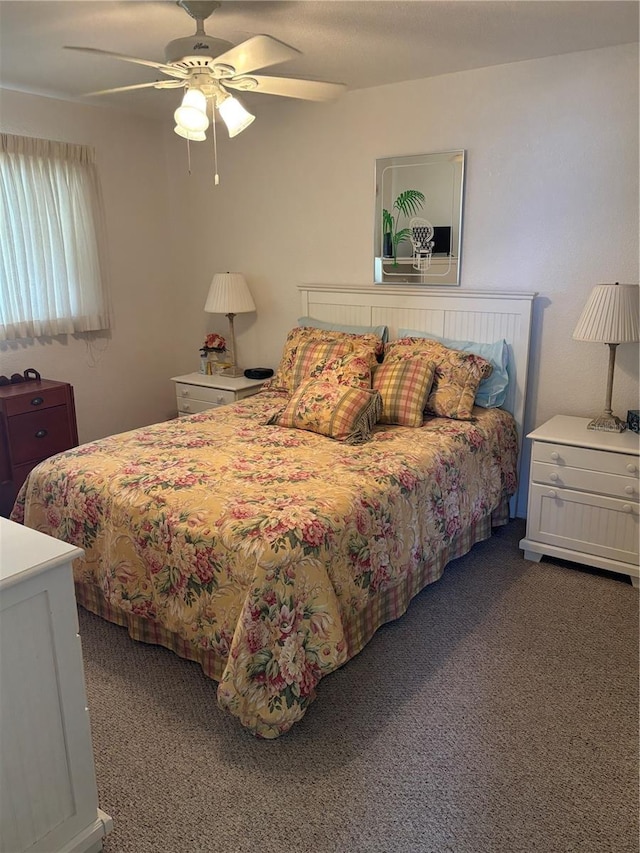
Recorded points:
197,392
48,795
583,496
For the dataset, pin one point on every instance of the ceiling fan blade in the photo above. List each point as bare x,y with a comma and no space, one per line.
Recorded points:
256,52
171,70
289,87
159,84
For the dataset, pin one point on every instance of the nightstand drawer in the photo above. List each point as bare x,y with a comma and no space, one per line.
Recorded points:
585,480
581,457
193,407
34,401
584,523
215,396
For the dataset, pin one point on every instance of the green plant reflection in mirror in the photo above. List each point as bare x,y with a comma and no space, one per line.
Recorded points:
408,203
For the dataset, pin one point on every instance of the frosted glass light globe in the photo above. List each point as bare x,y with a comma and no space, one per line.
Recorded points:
192,112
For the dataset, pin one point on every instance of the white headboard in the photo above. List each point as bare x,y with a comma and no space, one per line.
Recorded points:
469,315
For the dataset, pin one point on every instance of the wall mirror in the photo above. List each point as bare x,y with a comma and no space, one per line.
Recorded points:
418,219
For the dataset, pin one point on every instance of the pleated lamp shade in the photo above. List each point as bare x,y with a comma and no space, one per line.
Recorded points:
610,315
229,294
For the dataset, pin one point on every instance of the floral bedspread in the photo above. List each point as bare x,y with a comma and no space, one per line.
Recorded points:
263,545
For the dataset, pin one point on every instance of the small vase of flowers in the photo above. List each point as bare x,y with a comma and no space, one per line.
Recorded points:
210,351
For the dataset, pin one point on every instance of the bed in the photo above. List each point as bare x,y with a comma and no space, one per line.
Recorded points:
271,555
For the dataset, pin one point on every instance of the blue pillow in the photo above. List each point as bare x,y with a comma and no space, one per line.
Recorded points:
381,331
492,391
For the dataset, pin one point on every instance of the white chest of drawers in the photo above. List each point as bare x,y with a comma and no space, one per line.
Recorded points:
48,795
583,496
197,392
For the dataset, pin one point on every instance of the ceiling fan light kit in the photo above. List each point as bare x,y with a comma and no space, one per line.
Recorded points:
234,115
190,135
191,115
208,67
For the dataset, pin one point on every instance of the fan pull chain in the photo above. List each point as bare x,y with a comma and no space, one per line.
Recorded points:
188,155
216,177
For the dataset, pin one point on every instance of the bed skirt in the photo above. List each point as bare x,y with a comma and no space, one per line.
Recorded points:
390,604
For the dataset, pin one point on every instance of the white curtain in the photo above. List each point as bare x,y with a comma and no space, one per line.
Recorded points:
52,263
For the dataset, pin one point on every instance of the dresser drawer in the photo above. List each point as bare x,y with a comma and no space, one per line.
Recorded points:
36,435
582,457
215,396
585,480
35,401
21,472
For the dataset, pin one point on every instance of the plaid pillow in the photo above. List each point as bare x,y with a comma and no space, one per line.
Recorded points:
456,378
404,387
342,412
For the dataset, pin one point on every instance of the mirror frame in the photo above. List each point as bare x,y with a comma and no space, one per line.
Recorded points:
439,265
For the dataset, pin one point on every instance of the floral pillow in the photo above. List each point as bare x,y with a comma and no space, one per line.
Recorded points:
456,377
347,369
312,357
342,412
493,389
289,373
381,331
404,387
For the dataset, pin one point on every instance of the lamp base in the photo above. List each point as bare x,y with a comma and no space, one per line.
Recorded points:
232,371
607,423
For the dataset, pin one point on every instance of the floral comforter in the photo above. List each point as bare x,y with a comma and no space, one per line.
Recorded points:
275,553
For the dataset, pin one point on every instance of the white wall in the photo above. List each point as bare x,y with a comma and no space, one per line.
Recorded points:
551,203
120,378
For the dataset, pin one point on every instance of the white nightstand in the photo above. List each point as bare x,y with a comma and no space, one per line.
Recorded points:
197,392
583,496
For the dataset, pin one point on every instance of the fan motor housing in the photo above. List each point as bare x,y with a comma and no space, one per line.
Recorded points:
195,51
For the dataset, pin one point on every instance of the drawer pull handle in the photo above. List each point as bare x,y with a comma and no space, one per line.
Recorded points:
553,477
555,456
37,401
552,493
185,392
631,468
626,508
628,490
41,433
221,399
187,407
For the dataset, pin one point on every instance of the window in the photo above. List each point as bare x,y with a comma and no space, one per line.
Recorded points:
52,278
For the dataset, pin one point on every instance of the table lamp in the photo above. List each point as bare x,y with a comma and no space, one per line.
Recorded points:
609,317
230,295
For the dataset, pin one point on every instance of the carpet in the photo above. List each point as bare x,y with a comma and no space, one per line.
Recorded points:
499,715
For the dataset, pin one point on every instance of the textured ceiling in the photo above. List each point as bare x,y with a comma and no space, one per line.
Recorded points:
361,43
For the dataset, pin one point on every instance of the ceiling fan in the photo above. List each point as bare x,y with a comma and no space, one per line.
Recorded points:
207,68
